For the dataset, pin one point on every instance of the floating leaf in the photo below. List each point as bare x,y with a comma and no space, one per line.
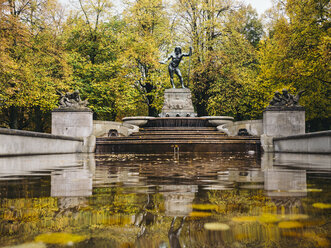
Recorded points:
314,190
216,226
295,216
199,214
59,238
322,205
245,219
289,224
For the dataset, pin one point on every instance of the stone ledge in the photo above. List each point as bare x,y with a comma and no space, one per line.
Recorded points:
177,90
306,135
72,110
279,108
37,135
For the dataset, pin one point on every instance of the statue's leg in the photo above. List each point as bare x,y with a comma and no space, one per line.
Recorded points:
171,74
180,77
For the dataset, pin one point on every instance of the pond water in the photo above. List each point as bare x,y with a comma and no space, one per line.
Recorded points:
165,200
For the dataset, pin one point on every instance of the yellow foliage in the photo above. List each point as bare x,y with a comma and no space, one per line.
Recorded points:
216,226
290,224
59,238
322,205
199,214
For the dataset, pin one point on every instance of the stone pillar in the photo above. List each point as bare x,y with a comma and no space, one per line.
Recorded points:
177,103
72,122
284,121
281,121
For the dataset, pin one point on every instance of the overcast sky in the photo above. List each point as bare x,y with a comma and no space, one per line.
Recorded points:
259,5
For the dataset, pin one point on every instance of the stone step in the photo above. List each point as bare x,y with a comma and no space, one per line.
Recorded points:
177,141
176,137
174,129
171,146
182,134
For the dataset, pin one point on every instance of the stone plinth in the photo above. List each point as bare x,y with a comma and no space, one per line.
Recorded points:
283,121
177,103
72,122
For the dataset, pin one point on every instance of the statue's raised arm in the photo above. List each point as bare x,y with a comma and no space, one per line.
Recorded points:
173,66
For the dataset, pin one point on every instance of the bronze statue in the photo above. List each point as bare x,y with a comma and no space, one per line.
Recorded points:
285,99
173,66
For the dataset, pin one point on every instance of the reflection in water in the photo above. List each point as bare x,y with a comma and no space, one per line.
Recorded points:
159,200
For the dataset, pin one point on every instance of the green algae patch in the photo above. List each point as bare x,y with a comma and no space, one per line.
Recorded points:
59,238
322,205
289,224
216,226
245,219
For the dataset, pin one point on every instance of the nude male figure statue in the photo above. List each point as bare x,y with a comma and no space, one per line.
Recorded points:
173,66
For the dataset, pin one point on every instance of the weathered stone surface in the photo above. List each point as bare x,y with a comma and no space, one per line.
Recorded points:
72,123
101,128
253,127
137,120
177,103
278,123
317,142
218,120
16,142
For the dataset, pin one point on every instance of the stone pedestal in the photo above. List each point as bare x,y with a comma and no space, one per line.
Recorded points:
283,121
72,122
177,103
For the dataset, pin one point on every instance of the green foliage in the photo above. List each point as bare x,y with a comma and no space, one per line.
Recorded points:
114,60
297,55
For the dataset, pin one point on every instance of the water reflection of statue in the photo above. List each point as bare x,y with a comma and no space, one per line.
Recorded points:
173,66
173,234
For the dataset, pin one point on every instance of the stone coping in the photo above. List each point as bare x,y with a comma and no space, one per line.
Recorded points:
179,117
72,110
306,135
217,117
37,135
177,90
296,108
137,118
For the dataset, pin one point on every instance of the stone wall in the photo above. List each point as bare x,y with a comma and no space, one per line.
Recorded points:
317,142
17,142
101,128
253,127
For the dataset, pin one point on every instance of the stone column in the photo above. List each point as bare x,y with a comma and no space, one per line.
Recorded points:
72,122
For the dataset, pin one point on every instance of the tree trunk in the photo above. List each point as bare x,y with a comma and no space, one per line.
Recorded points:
13,117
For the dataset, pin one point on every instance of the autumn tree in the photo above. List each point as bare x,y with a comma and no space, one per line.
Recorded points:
146,36
296,55
32,65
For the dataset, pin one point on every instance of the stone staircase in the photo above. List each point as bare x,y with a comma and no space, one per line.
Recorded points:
177,139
